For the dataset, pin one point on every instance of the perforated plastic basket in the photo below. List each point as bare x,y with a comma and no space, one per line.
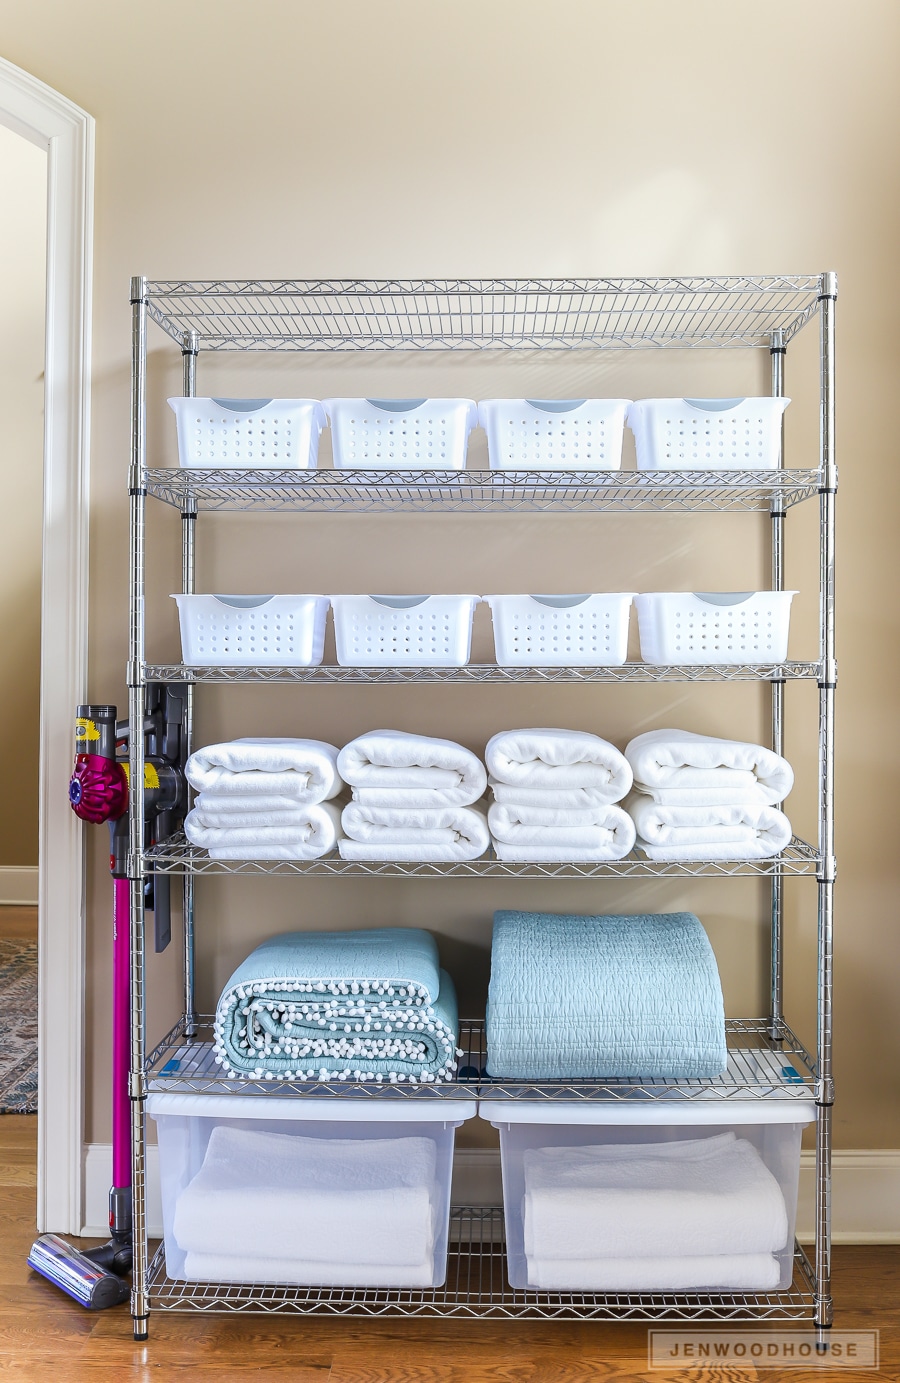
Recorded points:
252,630
400,434
554,434
707,434
278,434
709,627
403,630
561,630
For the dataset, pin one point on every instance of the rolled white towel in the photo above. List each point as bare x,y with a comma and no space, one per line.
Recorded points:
314,834
742,826
384,833
680,759
555,836
567,799
417,766
304,770
558,759
247,811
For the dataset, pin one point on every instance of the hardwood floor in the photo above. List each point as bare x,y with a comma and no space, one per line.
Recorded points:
44,1335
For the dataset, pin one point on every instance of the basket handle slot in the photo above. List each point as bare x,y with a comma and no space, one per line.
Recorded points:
399,602
714,405
724,597
243,405
244,602
556,405
396,405
560,602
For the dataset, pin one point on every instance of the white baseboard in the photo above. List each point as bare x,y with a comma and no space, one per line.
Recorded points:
18,887
865,1205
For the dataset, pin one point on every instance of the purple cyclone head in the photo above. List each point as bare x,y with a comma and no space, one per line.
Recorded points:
98,789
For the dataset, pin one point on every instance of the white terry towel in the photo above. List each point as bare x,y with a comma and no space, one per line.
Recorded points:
314,833
680,759
304,770
247,811
393,833
327,1200
679,1198
605,833
740,826
392,768
558,759
232,1267
740,1272
567,799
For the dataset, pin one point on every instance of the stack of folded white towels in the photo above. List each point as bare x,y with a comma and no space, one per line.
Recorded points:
699,798
553,797
654,1216
413,799
274,1207
265,799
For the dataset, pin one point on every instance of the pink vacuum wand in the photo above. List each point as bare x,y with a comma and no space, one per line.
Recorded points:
98,792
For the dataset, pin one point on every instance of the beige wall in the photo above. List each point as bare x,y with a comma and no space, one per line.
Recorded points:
582,138
23,231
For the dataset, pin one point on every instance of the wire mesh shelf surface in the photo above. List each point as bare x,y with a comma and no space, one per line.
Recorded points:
338,491
480,314
177,856
765,1061
487,673
477,1287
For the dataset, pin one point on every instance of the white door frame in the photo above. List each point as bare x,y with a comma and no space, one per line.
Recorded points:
56,124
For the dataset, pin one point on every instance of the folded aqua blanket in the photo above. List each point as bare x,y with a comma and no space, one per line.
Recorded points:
603,997
372,1005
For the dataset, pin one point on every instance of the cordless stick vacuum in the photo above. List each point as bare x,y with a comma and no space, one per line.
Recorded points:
98,792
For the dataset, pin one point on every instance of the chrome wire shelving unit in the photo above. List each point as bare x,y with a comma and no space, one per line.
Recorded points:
766,1059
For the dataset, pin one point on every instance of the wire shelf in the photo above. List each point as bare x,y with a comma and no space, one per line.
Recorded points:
481,314
486,673
362,492
765,1061
177,856
477,1287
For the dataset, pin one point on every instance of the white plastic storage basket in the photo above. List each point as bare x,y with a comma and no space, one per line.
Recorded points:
561,630
554,434
273,1223
400,434
707,434
708,627
233,434
403,630
576,1247
252,630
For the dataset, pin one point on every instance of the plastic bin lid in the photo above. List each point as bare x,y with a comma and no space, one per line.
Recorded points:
799,1109
415,1109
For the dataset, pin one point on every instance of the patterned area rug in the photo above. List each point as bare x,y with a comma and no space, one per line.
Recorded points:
18,1027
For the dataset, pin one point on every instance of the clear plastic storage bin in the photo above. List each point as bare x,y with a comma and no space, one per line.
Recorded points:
707,434
237,434
295,1219
554,434
561,630
403,630
709,627
645,1218
252,630
400,434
